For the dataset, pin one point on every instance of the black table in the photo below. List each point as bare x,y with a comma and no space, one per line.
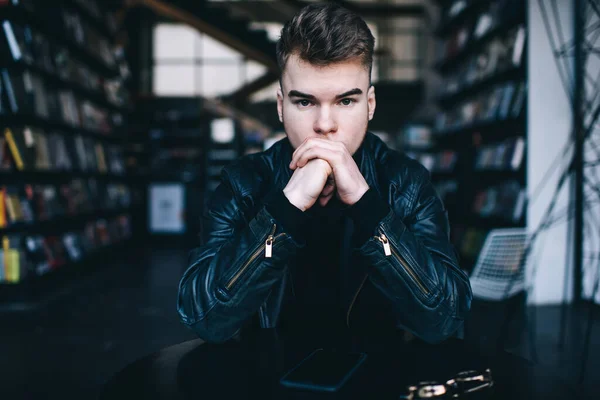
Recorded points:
251,369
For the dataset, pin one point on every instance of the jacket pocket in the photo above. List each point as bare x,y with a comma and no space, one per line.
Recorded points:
393,252
263,251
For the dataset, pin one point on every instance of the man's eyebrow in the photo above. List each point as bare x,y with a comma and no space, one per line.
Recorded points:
295,93
349,93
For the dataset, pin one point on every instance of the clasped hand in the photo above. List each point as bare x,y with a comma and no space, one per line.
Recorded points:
322,169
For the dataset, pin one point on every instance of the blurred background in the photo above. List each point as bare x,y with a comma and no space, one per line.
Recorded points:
118,116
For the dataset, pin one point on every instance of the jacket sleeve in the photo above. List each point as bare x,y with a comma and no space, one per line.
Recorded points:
413,263
232,273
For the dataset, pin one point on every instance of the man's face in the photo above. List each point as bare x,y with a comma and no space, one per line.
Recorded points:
335,102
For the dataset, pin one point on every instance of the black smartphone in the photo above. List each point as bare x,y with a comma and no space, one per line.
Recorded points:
323,370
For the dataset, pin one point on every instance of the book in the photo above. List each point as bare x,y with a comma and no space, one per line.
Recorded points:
414,135
116,160
517,153
507,155
519,205
56,251
100,158
519,100
456,8
26,204
507,96
519,44
37,255
102,232
18,41
68,106
13,263
503,200
24,146
44,52
14,149
42,151
2,277
484,23
5,157
16,92
89,237
493,103
13,205
3,220
60,155
50,202
40,97
73,246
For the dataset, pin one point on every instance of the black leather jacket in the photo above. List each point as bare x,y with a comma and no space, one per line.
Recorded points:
241,269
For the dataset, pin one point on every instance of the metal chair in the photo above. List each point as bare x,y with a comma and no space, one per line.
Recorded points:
499,273
499,287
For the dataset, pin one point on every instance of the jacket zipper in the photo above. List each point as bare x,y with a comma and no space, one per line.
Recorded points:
389,251
354,300
268,249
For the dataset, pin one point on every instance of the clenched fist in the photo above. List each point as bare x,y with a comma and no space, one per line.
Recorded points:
347,182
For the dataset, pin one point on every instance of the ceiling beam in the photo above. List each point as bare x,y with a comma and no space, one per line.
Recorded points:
241,95
372,10
283,10
176,13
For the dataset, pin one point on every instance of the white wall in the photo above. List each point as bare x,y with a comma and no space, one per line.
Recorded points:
591,243
549,128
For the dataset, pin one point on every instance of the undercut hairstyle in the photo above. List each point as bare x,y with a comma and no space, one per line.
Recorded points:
324,34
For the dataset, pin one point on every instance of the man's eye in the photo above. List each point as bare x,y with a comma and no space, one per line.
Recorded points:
303,103
346,102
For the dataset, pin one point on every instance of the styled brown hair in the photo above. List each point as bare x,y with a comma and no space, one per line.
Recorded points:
323,34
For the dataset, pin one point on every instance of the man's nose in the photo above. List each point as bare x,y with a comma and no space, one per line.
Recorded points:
325,122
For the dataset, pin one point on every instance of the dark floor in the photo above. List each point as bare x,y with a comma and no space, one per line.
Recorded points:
126,310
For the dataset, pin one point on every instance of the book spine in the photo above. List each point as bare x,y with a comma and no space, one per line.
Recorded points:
3,221
12,41
2,279
5,259
13,270
518,154
13,148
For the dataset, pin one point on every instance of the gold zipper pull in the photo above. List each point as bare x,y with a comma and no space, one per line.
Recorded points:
386,245
269,247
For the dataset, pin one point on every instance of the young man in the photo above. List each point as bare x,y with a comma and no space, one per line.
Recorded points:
328,229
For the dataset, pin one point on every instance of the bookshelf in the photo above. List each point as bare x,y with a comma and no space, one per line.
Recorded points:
67,195
233,133
186,142
482,119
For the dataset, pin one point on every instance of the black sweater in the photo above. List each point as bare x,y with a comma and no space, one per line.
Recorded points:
317,279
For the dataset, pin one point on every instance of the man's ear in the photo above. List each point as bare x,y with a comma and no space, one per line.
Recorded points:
280,104
371,103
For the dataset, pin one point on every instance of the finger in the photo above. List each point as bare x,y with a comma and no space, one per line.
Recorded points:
298,151
324,200
328,189
306,145
333,157
311,144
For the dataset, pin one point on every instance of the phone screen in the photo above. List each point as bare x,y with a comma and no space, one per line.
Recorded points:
323,370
